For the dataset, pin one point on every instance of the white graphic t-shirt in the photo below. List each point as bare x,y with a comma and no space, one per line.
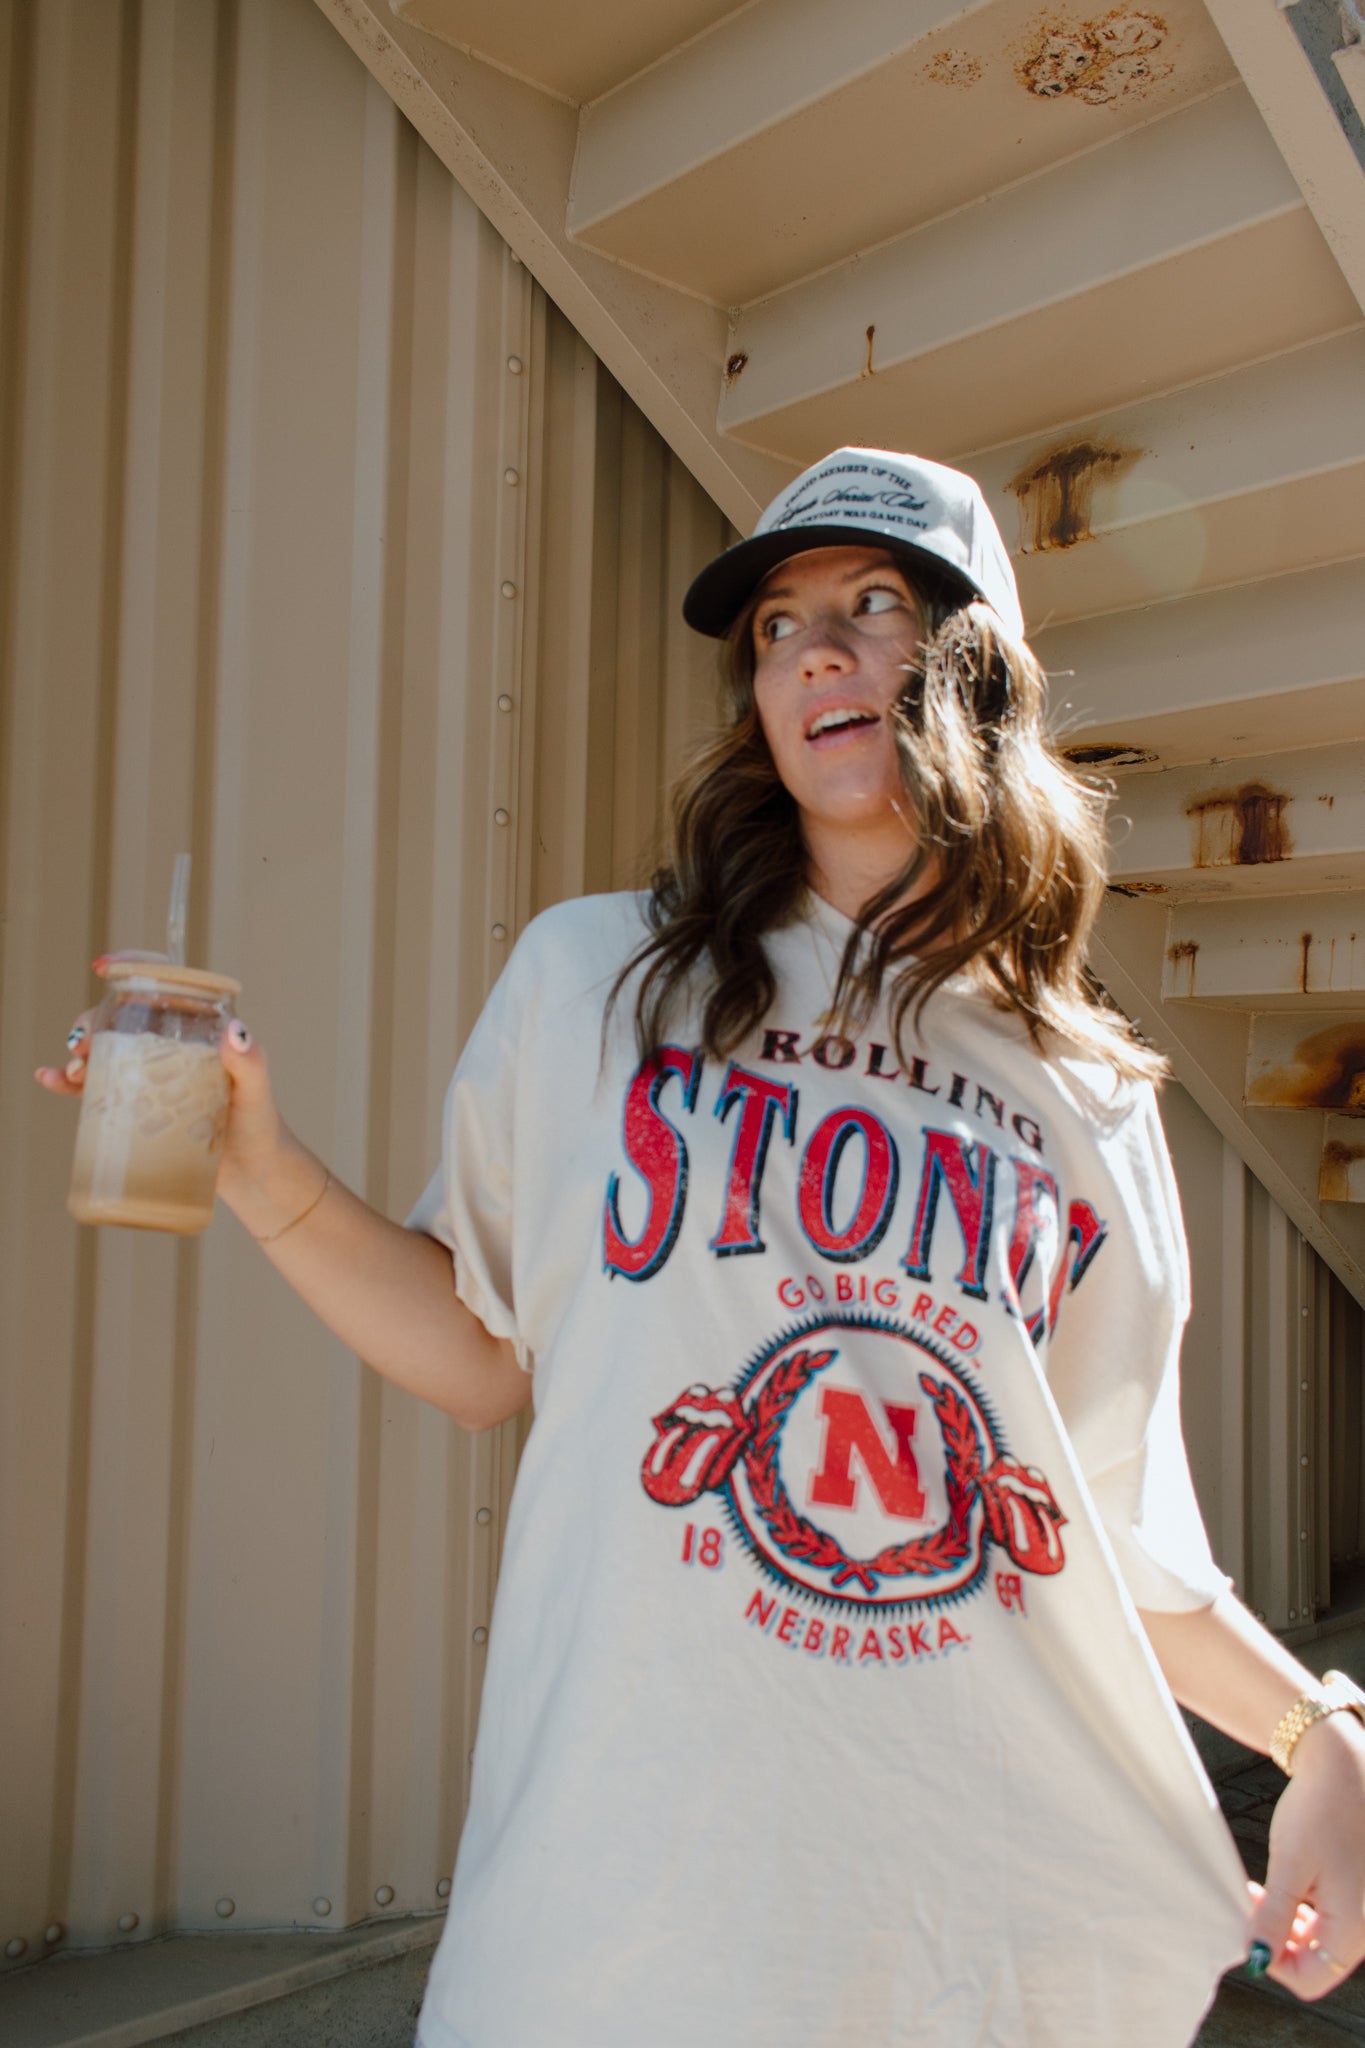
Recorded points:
817,1713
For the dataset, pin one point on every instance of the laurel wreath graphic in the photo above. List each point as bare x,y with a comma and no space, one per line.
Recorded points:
921,1556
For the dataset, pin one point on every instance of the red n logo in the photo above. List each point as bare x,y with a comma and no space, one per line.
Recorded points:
849,1427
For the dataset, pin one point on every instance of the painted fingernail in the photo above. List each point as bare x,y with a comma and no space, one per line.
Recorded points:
100,964
74,1069
74,1036
1258,1959
239,1038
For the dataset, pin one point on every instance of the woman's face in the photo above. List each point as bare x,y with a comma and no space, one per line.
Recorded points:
834,632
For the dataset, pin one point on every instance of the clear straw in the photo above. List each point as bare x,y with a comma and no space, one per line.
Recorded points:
180,900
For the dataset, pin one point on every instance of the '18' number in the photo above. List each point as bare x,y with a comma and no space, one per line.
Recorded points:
702,1546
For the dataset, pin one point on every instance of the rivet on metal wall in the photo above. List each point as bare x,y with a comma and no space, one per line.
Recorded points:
511,476
504,702
514,364
484,1517
1303,1461
16,1948
481,1635
384,1895
322,1907
500,931
127,1922
1293,1614
443,1888
53,1934
501,817
1303,1312
225,1908
1303,1386
509,589
1303,1535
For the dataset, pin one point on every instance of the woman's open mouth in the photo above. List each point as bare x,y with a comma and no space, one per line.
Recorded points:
837,726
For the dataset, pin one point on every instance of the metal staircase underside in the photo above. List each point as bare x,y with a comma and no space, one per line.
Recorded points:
1111,261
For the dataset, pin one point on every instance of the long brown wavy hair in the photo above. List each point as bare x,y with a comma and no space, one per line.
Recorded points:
1017,835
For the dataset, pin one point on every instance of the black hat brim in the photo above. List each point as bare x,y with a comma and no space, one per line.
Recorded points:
719,594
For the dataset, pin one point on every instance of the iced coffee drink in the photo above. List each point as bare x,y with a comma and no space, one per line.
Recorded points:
154,1109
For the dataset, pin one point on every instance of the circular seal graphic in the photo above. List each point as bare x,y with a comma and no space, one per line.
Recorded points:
860,1484
860,1465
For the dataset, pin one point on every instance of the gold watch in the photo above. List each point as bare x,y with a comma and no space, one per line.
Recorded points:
1337,1694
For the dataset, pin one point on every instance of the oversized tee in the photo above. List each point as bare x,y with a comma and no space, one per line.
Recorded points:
817,1713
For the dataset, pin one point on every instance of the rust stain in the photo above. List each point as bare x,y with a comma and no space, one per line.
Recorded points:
1240,828
868,370
1183,954
953,67
1325,1071
1056,496
1334,1175
1137,888
1305,943
1117,56
734,364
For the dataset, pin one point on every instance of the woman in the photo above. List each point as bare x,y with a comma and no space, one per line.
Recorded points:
833,1214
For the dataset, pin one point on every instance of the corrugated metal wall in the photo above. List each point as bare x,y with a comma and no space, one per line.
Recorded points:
1267,1366
329,552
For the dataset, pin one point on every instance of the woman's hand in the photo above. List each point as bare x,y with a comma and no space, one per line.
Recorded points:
387,1292
1310,1914
69,1079
262,1163
1309,1918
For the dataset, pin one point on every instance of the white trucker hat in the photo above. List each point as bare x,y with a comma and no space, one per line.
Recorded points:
862,496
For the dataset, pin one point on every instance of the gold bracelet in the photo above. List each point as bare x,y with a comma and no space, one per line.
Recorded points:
273,1235
1339,1695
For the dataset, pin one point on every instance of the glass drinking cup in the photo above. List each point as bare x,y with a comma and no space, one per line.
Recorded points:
154,1111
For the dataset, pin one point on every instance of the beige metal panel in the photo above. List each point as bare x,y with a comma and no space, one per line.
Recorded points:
1213,1195
574,52
1347,1443
1279,75
1283,953
1207,1047
1047,301
1261,1362
1342,1178
65,306
625,527
1241,477
282,421
1280,823
1298,1061
797,130
143,1293
1350,64
1230,672
511,148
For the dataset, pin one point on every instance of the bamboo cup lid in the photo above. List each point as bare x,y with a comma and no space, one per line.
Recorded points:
198,978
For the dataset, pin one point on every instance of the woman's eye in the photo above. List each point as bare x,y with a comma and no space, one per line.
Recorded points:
777,626
880,599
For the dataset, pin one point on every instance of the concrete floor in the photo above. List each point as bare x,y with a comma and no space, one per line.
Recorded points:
375,2007
357,1989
